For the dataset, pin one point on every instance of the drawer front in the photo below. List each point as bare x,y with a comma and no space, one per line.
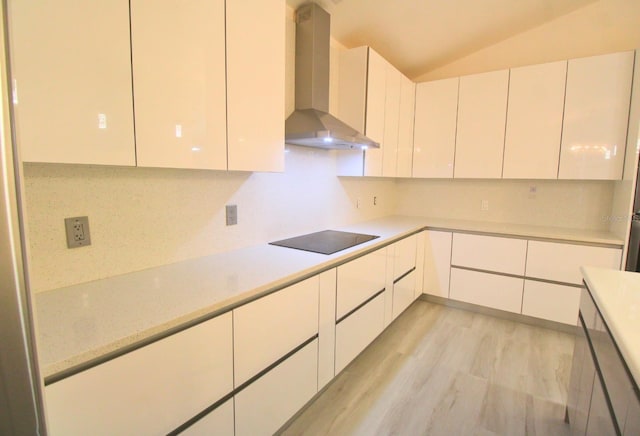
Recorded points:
562,262
355,332
359,280
270,327
551,301
218,422
403,294
491,253
437,263
268,403
491,290
404,256
174,379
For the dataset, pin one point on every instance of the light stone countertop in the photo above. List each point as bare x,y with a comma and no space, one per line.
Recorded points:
81,323
617,296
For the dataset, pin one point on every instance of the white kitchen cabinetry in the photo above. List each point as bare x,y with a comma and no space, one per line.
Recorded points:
403,293
374,108
437,263
179,83
551,301
391,121
327,327
561,262
405,127
71,65
218,422
490,290
482,113
404,256
269,402
595,117
255,84
360,279
490,253
436,113
152,390
534,121
358,330
267,329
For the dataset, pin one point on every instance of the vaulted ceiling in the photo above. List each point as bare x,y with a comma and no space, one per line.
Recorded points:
420,35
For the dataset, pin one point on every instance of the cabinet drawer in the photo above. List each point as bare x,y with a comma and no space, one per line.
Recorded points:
550,301
491,290
270,327
491,253
562,262
359,280
266,404
358,330
218,422
403,293
174,379
404,256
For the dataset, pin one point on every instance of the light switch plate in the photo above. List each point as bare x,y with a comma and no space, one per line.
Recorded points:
231,214
78,234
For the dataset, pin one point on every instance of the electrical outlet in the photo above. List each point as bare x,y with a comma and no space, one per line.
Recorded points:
231,214
375,200
358,202
77,229
484,205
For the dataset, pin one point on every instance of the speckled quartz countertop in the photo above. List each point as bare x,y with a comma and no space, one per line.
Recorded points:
617,295
89,321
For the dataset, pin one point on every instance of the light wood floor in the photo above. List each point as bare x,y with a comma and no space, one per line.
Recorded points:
445,371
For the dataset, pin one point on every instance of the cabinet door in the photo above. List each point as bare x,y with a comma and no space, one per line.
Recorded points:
491,290
437,263
375,112
391,121
534,121
179,83
595,117
405,127
551,301
71,63
269,402
482,113
562,262
267,329
358,330
600,422
218,422
404,256
580,384
435,128
403,291
491,253
152,390
360,279
255,84
327,327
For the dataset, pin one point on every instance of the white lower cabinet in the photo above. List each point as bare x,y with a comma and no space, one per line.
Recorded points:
218,422
437,263
269,402
551,301
152,390
360,279
490,253
267,329
403,293
491,290
358,330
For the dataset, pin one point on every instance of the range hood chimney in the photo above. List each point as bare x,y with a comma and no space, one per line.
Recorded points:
310,124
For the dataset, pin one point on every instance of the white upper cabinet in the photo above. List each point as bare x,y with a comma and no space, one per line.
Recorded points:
179,83
375,112
255,84
71,64
482,112
534,121
436,113
405,127
391,121
596,116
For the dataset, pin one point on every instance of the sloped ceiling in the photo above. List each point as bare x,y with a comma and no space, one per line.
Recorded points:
418,36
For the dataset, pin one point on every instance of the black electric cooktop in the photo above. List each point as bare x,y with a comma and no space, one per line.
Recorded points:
325,242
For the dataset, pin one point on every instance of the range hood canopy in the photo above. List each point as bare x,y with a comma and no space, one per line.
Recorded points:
310,124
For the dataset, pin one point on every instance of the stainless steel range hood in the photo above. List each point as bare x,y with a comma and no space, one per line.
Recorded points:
310,124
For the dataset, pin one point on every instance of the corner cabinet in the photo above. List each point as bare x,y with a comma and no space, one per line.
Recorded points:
71,68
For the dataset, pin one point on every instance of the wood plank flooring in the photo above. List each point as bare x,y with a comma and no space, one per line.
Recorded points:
443,371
